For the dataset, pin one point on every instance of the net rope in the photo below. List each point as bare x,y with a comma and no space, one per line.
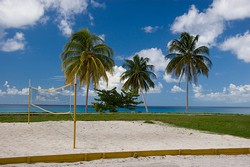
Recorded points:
40,98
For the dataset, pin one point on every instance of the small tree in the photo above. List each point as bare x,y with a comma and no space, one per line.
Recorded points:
111,100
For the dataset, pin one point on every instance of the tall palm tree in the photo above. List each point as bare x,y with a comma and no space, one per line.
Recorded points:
188,60
88,58
138,75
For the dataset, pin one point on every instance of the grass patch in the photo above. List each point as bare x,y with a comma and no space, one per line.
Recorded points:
237,125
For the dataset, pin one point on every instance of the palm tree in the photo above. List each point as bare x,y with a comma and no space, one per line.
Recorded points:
188,60
87,58
138,75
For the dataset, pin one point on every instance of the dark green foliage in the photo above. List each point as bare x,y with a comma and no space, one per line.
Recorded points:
87,58
138,74
112,100
186,59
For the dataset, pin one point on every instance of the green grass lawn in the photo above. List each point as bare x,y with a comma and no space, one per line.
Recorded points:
237,125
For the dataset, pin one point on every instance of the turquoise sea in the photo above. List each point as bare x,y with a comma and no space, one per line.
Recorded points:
18,108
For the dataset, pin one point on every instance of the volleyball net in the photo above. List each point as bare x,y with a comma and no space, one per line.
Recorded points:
58,100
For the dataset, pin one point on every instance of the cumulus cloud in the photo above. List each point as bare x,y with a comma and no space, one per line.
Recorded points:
211,23
156,58
2,93
156,89
12,90
233,94
114,79
13,44
91,18
66,11
177,89
207,25
65,27
239,45
23,14
16,13
169,79
83,92
240,9
6,84
150,29
96,4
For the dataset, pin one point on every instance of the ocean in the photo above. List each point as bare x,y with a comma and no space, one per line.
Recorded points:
22,108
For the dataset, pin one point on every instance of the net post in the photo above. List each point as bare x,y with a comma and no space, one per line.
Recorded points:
29,92
74,140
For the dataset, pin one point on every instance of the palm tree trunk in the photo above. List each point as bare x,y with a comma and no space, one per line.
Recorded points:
87,98
144,100
186,96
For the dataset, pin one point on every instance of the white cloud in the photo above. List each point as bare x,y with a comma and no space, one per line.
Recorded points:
232,94
114,79
83,92
22,14
150,29
156,58
13,90
2,93
91,18
156,89
231,9
211,23
168,78
6,84
177,89
97,4
239,45
66,10
16,13
44,20
198,91
13,44
207,25
65,27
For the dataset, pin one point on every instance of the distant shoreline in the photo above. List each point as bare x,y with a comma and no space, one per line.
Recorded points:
18,108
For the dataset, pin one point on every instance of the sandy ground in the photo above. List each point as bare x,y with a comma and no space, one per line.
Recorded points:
48,138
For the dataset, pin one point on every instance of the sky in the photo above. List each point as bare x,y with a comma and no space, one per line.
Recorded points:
33,34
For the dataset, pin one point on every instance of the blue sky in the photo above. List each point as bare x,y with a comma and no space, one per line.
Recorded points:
33,34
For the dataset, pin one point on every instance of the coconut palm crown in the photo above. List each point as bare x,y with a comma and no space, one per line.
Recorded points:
87,58
138,75
186,59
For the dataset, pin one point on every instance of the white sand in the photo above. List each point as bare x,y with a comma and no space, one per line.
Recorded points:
48,138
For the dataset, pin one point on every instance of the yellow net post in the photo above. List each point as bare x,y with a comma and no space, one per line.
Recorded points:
74,140
29,91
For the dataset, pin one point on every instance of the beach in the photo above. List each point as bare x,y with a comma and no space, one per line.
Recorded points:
51,138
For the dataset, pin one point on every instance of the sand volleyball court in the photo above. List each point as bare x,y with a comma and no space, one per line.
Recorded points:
49,138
